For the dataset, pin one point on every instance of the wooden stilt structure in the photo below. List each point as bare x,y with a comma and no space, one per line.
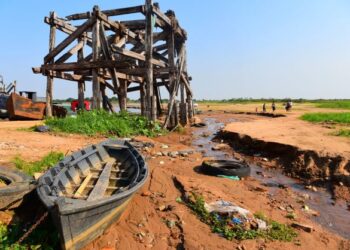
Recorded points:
114,54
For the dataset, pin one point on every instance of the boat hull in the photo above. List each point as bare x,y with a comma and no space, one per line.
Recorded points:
80,221
80,228
22,108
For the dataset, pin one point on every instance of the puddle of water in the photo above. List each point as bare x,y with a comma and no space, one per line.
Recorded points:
333,217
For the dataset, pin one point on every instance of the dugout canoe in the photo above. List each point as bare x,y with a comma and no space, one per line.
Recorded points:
89,190
22,108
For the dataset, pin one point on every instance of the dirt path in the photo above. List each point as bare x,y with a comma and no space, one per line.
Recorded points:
14,140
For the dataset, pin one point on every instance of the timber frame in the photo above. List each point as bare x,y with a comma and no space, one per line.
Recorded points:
116,54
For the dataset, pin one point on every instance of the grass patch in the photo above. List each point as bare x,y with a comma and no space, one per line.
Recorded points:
343,118
100,122
43,237
341,104
223,225
343,132
45,163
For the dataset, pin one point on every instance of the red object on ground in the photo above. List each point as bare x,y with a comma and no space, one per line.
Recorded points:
74,105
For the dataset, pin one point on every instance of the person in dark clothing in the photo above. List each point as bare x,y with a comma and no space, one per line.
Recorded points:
273,106
264,108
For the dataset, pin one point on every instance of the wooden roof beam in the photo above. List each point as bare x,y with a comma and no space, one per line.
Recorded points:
113,12
77,33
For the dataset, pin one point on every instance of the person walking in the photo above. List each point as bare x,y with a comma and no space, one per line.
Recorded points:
264,108
273,106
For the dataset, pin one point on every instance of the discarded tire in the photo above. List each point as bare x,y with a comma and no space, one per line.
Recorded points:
14,185
225,167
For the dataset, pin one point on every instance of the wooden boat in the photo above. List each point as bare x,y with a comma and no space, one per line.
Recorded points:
22,108
89,190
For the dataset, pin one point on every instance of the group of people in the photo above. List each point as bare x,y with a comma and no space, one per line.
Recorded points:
287,106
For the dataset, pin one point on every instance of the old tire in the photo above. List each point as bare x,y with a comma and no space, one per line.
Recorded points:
225,167
17,185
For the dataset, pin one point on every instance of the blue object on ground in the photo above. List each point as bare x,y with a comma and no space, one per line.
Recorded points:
235,178
236,221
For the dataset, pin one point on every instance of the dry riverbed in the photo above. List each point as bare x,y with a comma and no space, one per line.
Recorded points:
155,219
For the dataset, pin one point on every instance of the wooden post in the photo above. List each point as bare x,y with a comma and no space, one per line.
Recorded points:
49,86
183,106
142,99
171,62
96,47
159,100
81,83
122,97
150,113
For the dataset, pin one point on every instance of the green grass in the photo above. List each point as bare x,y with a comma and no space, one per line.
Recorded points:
43,237
100,122
343,132
331,104
343,118
45,163
222,225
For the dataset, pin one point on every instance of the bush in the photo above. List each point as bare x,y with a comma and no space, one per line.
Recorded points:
100,122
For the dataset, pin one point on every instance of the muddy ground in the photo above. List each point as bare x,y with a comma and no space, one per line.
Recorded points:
146,224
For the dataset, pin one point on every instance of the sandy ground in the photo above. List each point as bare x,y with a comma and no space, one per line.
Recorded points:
293,131
144,226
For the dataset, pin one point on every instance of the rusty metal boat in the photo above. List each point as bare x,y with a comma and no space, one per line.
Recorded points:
89,190
23,108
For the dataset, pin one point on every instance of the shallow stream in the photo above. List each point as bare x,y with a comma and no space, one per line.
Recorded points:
334,217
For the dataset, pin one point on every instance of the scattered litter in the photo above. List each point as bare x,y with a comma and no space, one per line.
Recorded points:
232,177
164,146
161,162
223,207
237,221
262,225
265,159
42,129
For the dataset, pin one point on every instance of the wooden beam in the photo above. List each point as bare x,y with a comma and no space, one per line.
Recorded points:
118,28
49,85
81,83
150,109
137,56
113,12
109,56
161,16
71,52
138,88
67,28
96,48
69,39
102,183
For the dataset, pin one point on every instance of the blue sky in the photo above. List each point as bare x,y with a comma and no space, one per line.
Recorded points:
236,48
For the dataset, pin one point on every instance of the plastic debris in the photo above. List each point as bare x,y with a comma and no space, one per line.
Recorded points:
42,129
235,178
222,206
237,221
262,225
